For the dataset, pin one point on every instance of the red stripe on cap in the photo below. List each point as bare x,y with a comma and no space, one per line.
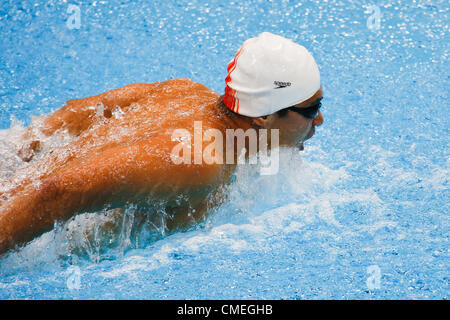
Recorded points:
229,98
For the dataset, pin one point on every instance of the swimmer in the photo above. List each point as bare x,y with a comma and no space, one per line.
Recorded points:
122,141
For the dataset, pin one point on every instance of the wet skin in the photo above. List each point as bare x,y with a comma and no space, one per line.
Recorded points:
122,155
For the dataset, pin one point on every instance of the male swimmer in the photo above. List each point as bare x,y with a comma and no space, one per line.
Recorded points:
122,155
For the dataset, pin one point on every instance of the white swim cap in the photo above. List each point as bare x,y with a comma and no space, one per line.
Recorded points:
270,73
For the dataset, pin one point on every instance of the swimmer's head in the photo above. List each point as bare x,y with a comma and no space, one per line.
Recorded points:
297,123
277,83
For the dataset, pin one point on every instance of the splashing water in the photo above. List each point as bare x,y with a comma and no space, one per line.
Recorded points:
370,189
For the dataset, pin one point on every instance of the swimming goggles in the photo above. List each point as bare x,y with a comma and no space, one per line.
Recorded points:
309,112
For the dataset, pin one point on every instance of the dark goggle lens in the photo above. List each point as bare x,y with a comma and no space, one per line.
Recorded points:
310,112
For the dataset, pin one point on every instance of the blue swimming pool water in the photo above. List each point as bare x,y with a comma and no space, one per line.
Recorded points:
361,214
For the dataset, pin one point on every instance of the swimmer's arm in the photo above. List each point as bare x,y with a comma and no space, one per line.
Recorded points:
111,178
79,114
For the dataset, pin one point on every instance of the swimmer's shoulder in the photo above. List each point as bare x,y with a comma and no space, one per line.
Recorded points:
186,85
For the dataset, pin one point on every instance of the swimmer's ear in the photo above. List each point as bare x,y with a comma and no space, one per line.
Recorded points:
261,121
